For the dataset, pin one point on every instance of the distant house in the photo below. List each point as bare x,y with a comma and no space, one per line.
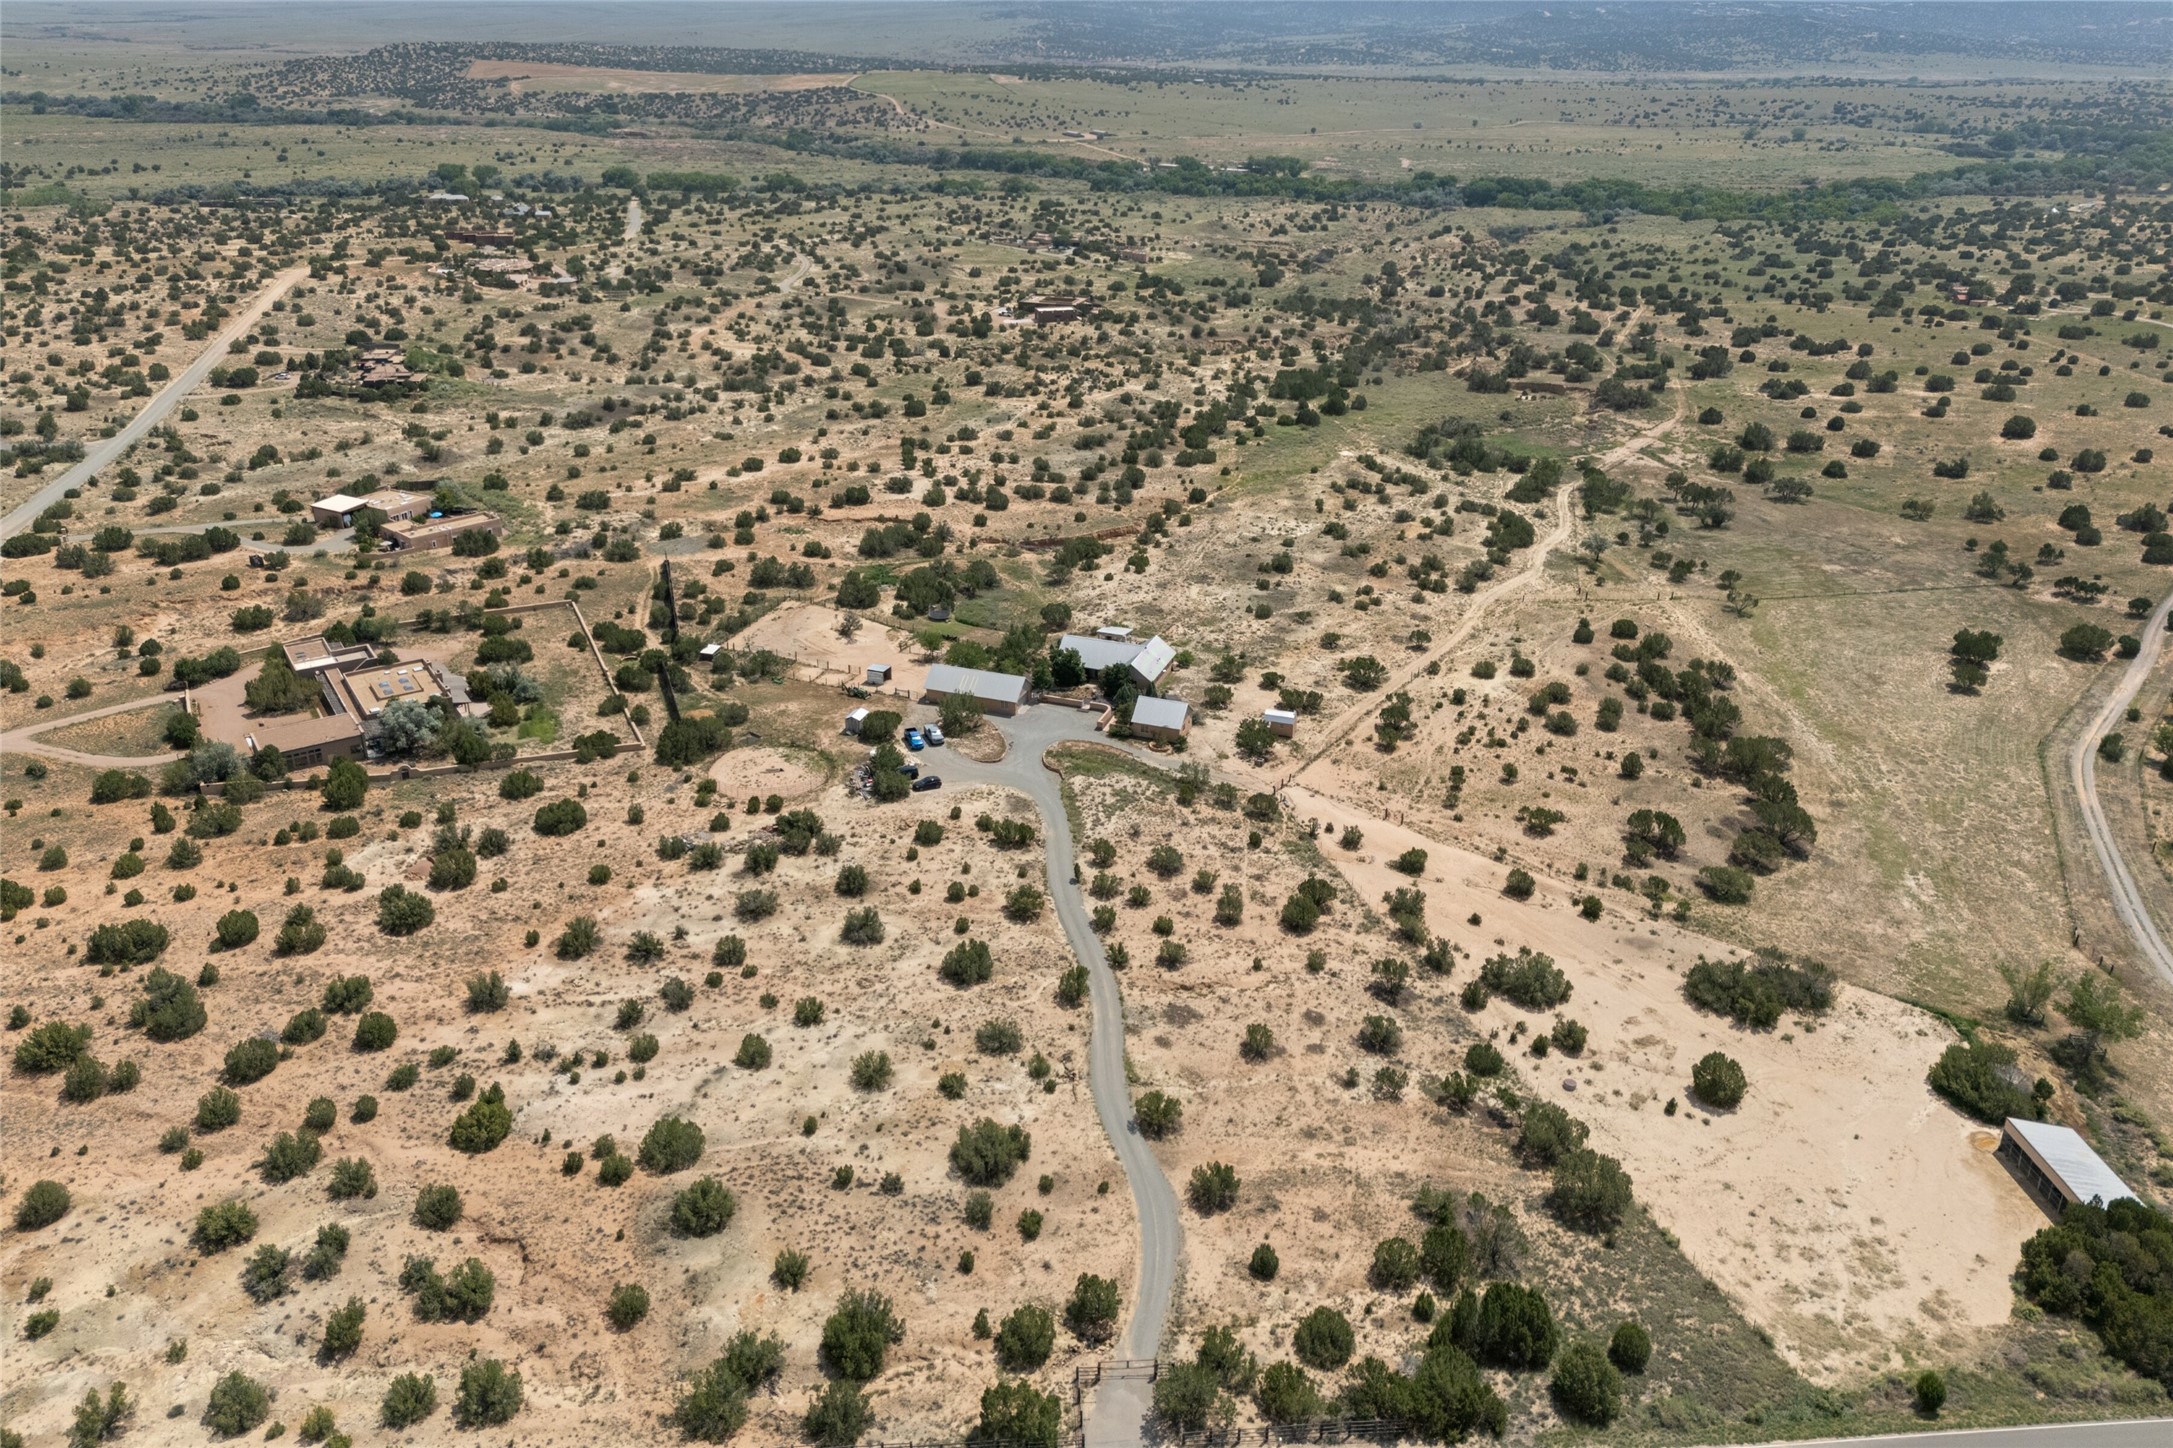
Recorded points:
1097,651
2058,1165
1163,719
1283,721
995,693
339,510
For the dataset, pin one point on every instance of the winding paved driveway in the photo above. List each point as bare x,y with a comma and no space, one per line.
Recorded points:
108,450
1120,1405
2120,885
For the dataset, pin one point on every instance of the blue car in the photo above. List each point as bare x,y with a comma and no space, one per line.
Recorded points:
913,740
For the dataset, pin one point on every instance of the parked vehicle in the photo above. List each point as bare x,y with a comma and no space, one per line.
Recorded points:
913,740
934,736
933,781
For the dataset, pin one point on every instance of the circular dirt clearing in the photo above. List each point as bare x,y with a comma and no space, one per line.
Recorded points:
743,772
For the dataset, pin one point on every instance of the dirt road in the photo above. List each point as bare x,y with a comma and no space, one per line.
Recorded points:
109,450
2127,896
1341,727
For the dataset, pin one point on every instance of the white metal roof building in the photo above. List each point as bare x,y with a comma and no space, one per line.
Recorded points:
1099,653
1148,661
2059,1164
996,693
1153,660
1160,718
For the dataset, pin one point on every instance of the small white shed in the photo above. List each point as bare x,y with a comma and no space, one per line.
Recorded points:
854,720
878,674
1283,721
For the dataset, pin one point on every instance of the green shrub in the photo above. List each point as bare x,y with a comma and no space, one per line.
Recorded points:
437,1208
217,1109
1323,1339
238,1403
672,1144
343,1330
236,928
1931,1393
1514,1329
1091,1312
703,1209
251,1060
1530,979
628,1305
838,1416
289,1155
859,1334
222,1225
411,1398
1586,1385
1630,1348
489,1394
42,1204
1718,1081
1971,1075
1756,994
376,1031
986,1155
484,1124
130,942
1025,1339
352,1177
1590,1191
170,1009
1213,1188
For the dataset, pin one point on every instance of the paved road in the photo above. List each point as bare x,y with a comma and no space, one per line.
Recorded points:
108,450
2127,896
2141,1433
1120,1406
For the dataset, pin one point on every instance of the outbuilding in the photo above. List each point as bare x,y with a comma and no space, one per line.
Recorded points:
995,693
1283,721
878,675
1163,719
2058,1165
854,720
708,652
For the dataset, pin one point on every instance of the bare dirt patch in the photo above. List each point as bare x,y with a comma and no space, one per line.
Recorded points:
1839,1263
541,75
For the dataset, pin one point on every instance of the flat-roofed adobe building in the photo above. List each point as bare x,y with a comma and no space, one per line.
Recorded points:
435,530
339,510
353,688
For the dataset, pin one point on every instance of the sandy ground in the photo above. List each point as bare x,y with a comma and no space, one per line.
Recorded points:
807,633
1909,1227
744,773
127,1283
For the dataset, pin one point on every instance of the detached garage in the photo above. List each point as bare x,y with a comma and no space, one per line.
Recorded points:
995,693
2058,1165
